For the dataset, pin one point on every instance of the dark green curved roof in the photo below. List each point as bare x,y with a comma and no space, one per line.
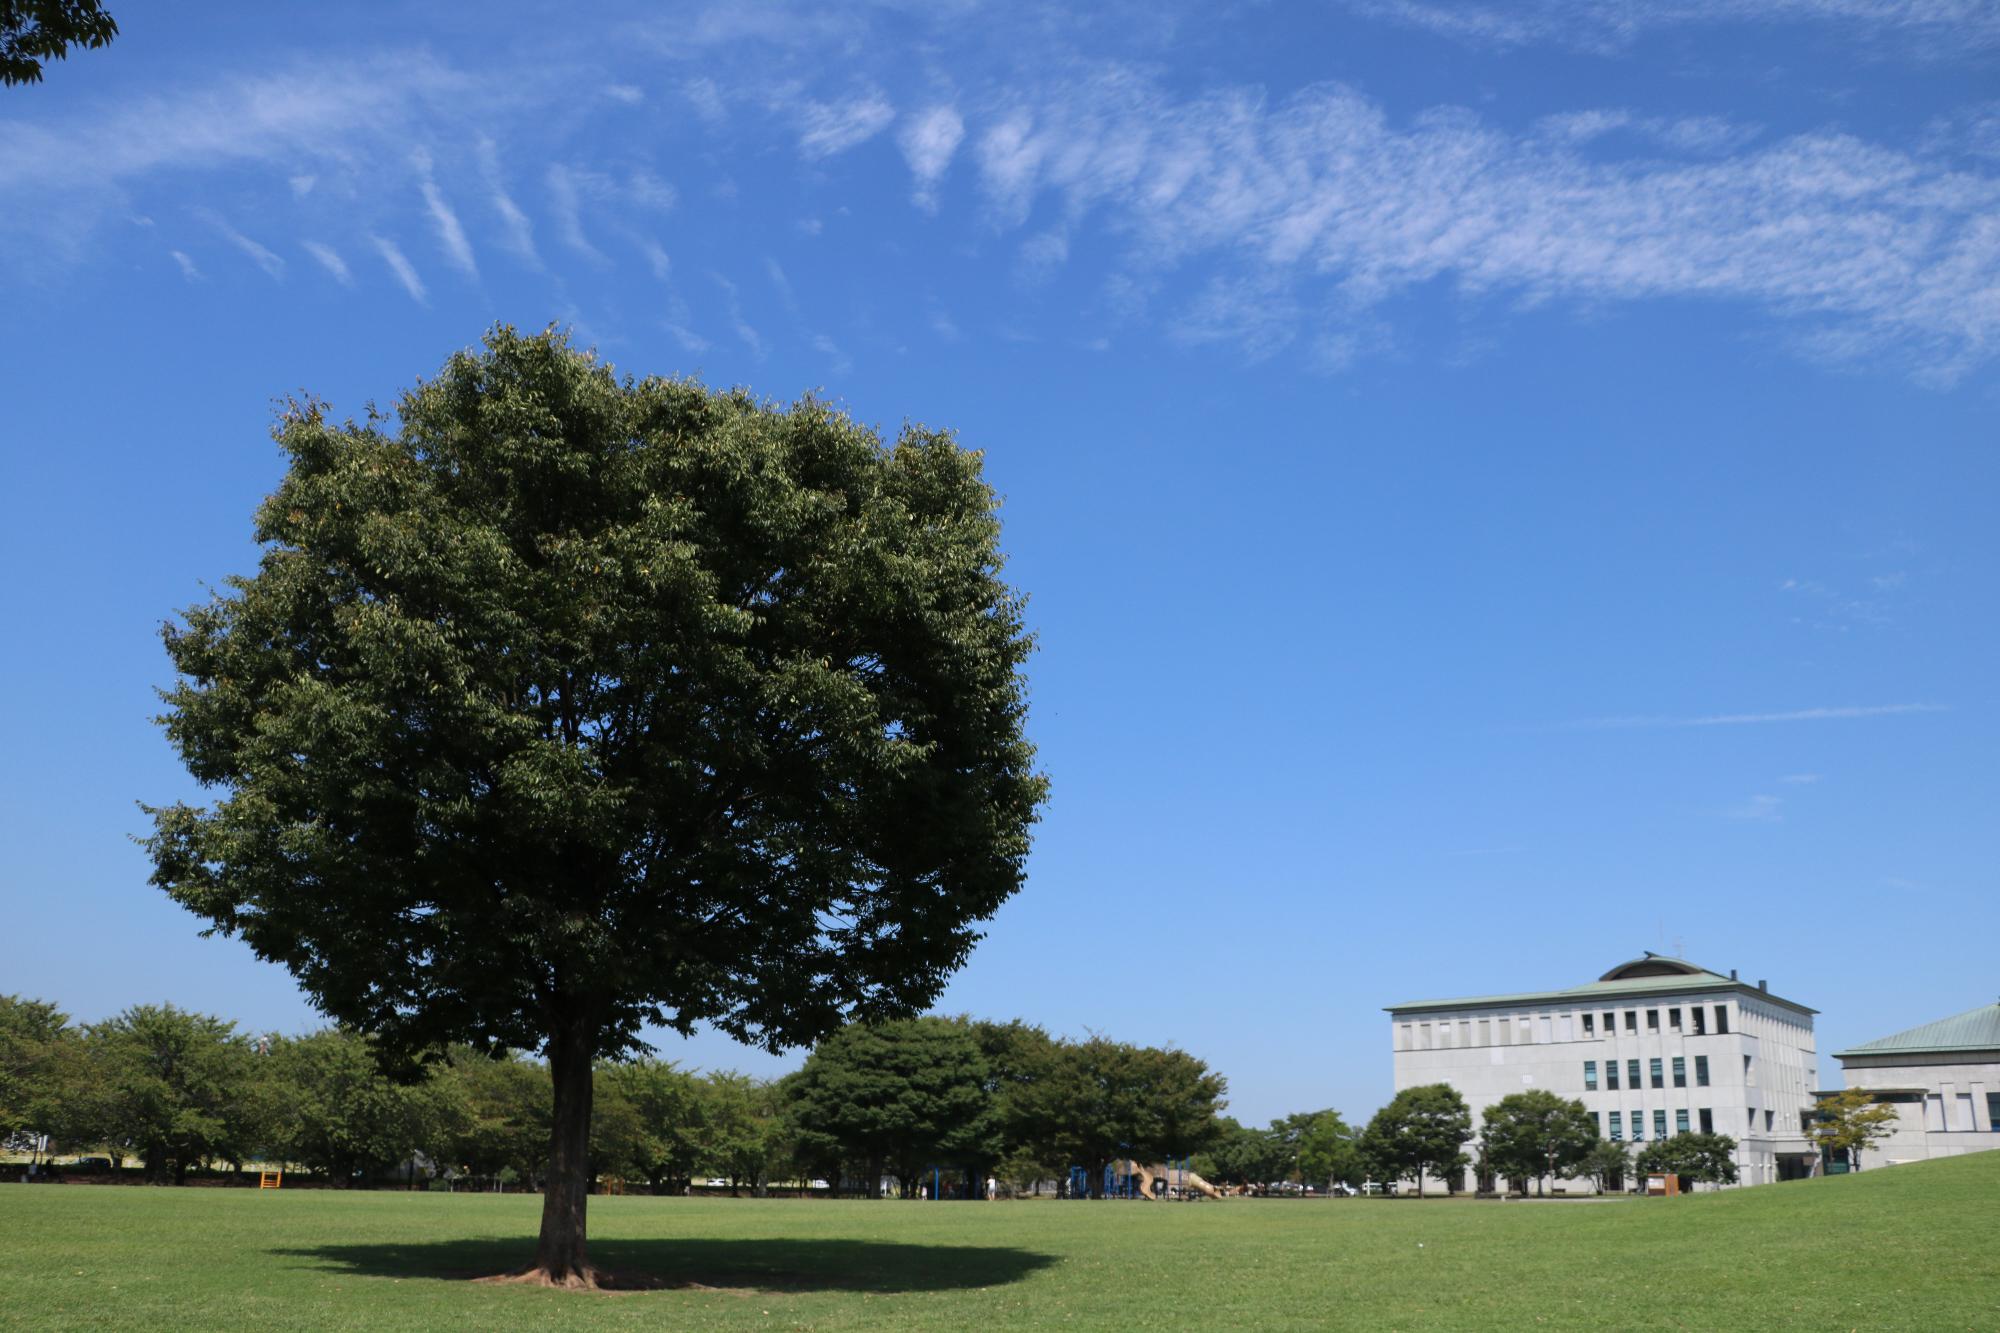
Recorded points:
1650,974
1974,1030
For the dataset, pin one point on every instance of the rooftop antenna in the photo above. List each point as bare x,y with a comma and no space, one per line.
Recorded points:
1680,947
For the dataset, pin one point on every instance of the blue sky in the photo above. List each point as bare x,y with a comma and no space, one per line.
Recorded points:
1500,487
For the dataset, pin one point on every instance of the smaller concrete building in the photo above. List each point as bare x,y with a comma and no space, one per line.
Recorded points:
1944,1080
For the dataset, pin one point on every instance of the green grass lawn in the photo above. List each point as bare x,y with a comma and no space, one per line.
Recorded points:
1909,1247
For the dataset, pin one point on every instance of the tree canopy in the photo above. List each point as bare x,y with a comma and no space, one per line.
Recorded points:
1709,1157
1852,1121
34,31
564,704
1536,1134
1422,1131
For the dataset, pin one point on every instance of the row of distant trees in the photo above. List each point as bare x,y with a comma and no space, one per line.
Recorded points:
1526,1137
904,1100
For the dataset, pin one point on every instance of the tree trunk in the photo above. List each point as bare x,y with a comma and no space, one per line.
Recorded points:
560,1258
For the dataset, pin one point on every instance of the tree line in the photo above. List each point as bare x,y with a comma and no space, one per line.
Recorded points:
915,1102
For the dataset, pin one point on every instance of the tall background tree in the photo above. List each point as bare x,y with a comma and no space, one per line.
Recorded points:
34,31
564,704
169,1086
1421,1132
1535,1135
1851,1121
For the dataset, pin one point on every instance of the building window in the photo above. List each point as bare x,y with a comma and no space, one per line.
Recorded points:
1638,1125
1658,1081
1722,1019
1590,1076
1631,1020
1749,1073
1768,1115
1681,1121
1590,1025
1617,1127
1610,1024
1707,1119
1680,1071
1652,1020
1700,1016
1701,1071
1659,1124
1632,1073
1993,1111
1674,1019
1611,1075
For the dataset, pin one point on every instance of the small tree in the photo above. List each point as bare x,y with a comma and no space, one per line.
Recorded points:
567,704
1606,1163
1537,1134
1422,1131
1328,1151
1852,1121
42,1080
1707,1157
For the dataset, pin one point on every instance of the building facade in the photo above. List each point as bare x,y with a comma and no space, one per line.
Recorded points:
1654,1047
1943,1078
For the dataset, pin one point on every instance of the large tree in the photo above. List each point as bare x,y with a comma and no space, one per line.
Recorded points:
1103,1101
901,1097
562,704
40,1068
332,1109
1536,1134
1422,1131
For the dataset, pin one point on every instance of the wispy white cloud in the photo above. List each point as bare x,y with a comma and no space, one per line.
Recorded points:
302,184
1800,779
1759,809
929,139
188,270
330,260
1324,199
745,333
706,99
1752,719
450,234
827,128
260,255
657,259
405,272
1613,25
515,226
567,206
625,92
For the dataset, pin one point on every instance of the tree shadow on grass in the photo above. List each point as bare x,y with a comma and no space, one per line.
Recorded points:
695,1263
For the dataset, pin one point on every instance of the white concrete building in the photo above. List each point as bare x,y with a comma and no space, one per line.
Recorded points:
1654,1047
1943,1077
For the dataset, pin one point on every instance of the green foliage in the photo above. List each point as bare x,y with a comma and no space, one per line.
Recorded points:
1607,1163
1852,1121
650,1123
564,704
1422,1131
614,702
32,31
1329,1150
331,1109
168,1085
1099,1101
899,1097
1710,1157
508,1103
1536,1134
40,1065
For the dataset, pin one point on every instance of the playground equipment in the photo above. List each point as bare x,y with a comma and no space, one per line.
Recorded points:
270,1180
1129,1179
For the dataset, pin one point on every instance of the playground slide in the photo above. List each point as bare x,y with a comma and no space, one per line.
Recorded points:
1201,1186
1145,1176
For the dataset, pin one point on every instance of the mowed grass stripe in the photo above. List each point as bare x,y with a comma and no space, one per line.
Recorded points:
1910,1247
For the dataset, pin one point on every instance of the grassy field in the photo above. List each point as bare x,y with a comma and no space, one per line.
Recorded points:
1912,1247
